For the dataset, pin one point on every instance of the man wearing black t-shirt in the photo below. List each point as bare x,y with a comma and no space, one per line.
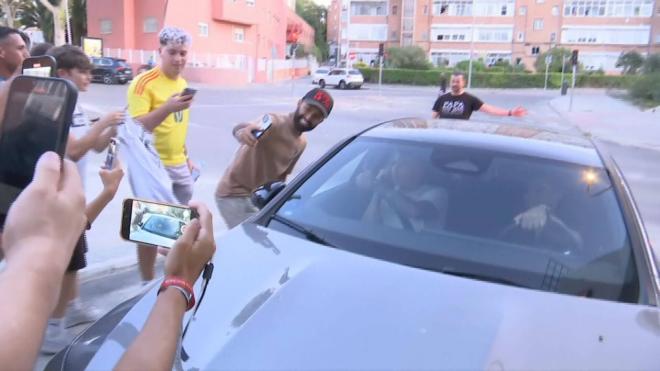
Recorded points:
457,104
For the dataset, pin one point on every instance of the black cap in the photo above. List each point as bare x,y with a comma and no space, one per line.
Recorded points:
320,99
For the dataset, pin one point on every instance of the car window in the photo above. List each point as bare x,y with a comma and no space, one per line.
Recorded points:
354,72
107,62
525,221
122,63
163,226
321,71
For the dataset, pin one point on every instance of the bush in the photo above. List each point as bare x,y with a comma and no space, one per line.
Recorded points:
630,62
497,79
647,88
652,63
477,66
409,57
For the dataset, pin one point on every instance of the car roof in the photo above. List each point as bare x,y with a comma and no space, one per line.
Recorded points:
503,137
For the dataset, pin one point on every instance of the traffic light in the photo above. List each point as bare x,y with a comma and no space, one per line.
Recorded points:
381,49
574,57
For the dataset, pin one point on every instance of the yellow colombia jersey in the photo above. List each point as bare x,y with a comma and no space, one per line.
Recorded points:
150,90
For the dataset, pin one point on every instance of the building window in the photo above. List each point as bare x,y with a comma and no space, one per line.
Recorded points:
426,10
608,8
633,35
555,10
367,32
553,37
150,25
536,50
522,10
393,36
538,24
521,36
369,8
106,26
203,29
239,35
250,2
394,9
460,8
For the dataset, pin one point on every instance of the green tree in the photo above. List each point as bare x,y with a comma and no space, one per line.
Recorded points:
412,57
9,8
34,14
652,64
316,16
558,54
631,62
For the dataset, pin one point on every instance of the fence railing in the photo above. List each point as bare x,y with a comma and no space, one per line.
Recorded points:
209,60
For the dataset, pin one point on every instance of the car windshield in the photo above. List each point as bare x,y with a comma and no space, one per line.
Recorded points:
122,63
163,226
354,72
526,221
321,71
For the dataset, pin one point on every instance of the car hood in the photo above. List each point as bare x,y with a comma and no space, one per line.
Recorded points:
279,302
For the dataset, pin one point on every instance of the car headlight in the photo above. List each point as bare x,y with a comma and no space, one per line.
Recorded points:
80,352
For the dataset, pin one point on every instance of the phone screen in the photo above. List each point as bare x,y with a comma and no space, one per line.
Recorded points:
154,223
266,122
38,71
36,121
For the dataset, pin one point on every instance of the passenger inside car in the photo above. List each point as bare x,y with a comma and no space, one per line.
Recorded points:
402,196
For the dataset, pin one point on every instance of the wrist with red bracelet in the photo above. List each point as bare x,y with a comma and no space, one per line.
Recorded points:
181,285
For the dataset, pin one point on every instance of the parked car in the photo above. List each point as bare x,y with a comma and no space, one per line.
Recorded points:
343,78
424,245
158,229
319,74
111,70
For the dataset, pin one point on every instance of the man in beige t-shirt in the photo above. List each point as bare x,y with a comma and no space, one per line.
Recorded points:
267,156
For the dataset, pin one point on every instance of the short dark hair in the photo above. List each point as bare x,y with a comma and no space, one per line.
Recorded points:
458,73
7,31
69,57
40,49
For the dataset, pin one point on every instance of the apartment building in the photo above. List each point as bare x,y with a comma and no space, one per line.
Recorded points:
514,30
234,41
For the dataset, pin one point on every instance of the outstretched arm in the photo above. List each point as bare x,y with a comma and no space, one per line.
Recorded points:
497,111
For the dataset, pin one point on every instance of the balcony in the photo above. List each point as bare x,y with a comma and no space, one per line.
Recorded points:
240,12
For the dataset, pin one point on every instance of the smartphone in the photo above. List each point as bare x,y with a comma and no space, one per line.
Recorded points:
42,66
37,117
154,223
112,153
189,91
266,122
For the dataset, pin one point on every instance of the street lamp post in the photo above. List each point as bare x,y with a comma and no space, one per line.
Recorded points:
469,82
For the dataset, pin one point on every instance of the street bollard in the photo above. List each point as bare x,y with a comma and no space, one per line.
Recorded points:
564,87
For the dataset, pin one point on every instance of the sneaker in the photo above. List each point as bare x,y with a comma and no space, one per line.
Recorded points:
56,337
78,313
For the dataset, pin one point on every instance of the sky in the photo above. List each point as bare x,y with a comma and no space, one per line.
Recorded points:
322,2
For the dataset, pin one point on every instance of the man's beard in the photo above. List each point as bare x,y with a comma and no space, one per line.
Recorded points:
300,123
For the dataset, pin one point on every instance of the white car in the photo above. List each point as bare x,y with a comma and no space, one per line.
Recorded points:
320,74
343,78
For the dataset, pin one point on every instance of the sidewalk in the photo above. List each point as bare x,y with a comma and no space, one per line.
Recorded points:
611,119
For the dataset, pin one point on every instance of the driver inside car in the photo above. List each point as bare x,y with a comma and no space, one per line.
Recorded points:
402,196
541,200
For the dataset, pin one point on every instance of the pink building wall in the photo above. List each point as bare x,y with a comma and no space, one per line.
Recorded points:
263,25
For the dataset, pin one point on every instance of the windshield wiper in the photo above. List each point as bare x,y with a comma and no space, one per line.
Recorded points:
481,277
304,231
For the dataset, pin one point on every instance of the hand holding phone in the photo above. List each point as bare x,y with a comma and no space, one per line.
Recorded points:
112,153
266,122
189,91
111,178
154,223
194,249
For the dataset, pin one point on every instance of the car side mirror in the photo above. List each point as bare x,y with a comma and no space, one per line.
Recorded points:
262,195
